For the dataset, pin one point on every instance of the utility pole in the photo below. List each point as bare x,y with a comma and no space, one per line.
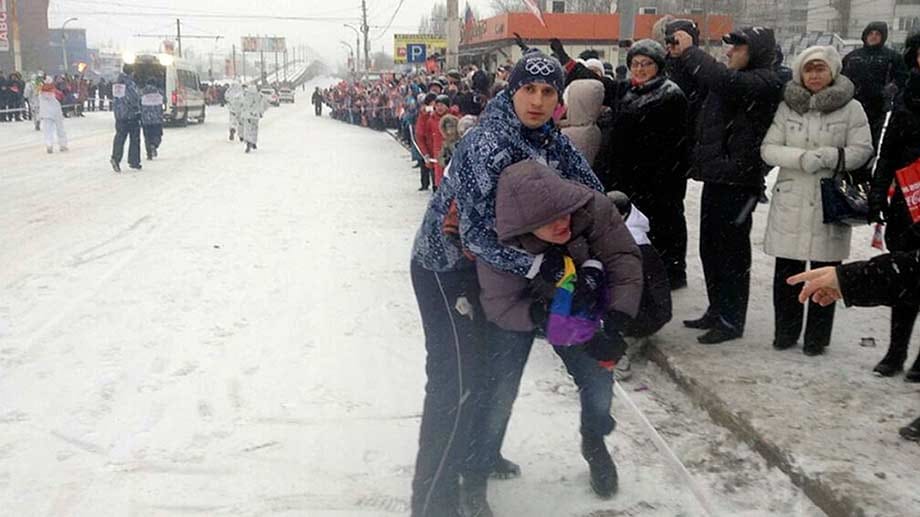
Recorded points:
365,29
179,36
453,34
234,60
14,29
276,66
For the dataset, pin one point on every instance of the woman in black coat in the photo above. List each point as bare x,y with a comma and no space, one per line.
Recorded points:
646,156
900,148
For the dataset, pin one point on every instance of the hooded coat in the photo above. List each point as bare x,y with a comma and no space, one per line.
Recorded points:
736,113
871,68
585,100
499,139
827,121
531,195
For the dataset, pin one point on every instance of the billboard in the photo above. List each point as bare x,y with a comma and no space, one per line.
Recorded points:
4,26
261,44
416,48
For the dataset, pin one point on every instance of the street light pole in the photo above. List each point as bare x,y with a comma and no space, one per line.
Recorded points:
64,42
357,40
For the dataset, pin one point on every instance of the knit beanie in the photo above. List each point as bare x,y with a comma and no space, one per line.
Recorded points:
648,48
595,65
688,26
536,67
442,99
817,53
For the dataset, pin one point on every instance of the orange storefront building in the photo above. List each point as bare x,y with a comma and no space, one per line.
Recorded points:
491,42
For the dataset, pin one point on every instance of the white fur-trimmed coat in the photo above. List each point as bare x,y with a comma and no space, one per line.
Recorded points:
803,122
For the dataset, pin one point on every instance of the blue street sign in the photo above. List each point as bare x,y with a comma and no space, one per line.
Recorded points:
416,53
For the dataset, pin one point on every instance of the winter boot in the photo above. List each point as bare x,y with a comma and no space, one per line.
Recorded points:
913,375
49,149
892,363
604,479
232,134
911,431
505,469
248,147
719,333
707,322
115,166
623,369
474,500
64,149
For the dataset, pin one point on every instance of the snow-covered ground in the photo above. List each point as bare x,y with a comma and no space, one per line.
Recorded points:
235,334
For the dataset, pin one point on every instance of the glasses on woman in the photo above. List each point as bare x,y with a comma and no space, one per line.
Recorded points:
639,65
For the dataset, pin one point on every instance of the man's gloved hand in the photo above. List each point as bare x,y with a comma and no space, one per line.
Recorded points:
877,209
559,51
890,92
589,283
538,314
811,162
607,345
520,42
553,266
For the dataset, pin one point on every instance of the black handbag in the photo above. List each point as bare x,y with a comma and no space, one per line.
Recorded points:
843,200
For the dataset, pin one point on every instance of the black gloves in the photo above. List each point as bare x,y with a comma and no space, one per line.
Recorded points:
878,204
559,51
589,284
520,42
538,314
607,345
553,267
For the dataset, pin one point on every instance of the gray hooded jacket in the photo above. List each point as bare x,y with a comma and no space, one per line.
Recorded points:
531,195
584,101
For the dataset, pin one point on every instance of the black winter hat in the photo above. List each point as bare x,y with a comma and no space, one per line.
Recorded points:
431,97
481,81
648,48
442,99
536,67
688,26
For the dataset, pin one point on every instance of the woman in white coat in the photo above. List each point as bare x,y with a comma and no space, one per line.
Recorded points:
252,107
817,129
52,118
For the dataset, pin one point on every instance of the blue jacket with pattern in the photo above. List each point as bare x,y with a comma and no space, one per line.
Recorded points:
499,140
126,107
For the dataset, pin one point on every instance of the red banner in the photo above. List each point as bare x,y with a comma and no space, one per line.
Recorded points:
909,180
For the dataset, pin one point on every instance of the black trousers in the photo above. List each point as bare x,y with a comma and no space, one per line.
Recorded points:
153,136
123,131
725,250
789,313
668,230
455,360
318,109
425,174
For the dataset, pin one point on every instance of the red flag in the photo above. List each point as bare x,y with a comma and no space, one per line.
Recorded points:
535,9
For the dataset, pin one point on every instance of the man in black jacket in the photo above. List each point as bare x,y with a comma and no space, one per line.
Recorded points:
735,115
871,69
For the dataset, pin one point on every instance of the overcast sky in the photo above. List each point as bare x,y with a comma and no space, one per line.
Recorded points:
119,20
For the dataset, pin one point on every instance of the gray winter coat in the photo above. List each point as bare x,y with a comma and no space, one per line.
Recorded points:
584,99
531,195
826,121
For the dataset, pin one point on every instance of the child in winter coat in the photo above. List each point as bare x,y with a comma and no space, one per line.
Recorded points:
538,211
451,136
52,116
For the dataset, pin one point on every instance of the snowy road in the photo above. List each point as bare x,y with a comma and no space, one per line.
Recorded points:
232,334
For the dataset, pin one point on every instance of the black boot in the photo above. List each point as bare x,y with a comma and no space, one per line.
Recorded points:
913,375
911,431
232,133
719,333
248,147
705,323
604,479
505,469
892,363
474,497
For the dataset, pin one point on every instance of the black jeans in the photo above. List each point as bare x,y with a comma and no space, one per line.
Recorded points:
665,212
725,250
424,174
318,109
153,136
123,131
454,359
789,313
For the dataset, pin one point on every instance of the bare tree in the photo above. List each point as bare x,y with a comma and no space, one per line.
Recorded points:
507,6
436,23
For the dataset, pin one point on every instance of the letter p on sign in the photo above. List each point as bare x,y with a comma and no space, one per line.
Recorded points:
416,53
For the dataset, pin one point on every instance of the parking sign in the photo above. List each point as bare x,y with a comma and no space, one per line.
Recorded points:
416,53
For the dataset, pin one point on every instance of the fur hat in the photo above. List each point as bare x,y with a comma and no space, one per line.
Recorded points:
650,49
817,53
465,124
536,67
